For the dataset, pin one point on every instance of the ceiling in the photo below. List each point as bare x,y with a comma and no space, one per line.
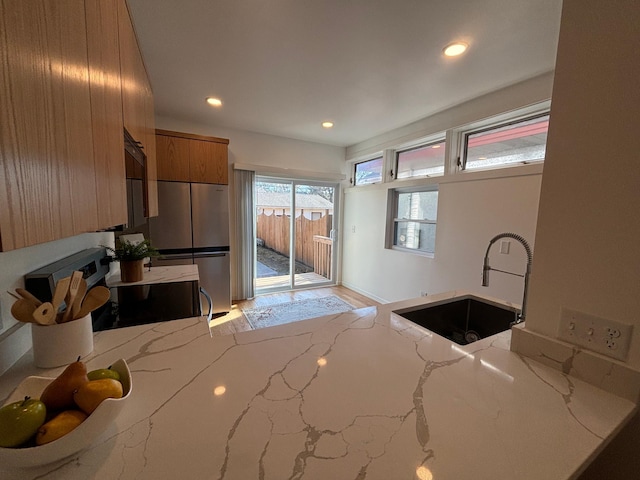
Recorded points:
282,67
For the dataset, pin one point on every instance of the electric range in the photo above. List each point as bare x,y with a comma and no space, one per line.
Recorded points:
129,305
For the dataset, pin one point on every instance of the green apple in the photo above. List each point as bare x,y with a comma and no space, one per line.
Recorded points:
19,421
103,373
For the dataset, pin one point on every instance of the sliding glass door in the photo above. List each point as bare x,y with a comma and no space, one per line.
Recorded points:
294,233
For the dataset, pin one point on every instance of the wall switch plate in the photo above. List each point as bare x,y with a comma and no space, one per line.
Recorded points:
601,335
504,247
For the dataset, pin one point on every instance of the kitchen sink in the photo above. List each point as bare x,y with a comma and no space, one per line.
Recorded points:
463,320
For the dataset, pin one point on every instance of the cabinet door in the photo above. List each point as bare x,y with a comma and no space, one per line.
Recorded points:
173,158
106,111
150,151
47,187
208,162
131,69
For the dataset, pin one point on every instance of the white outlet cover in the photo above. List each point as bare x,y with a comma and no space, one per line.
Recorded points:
602,335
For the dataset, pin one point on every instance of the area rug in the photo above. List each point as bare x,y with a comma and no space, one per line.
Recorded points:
282,313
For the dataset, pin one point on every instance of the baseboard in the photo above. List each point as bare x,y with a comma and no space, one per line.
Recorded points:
364,292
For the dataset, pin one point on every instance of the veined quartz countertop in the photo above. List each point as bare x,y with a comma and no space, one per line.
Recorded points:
358,395
160,274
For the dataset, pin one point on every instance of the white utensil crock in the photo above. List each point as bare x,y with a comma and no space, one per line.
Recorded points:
61,344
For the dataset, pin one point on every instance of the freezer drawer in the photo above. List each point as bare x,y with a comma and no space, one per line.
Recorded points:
215,272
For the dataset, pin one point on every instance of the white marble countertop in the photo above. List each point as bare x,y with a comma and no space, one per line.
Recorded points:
160,274
358,395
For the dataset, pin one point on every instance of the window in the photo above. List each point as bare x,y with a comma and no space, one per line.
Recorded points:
414,213
368,172
421,161
523,141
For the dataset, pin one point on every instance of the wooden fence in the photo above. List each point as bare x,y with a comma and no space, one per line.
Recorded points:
274,231
322,247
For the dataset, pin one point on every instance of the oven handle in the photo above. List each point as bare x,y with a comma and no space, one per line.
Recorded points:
210,315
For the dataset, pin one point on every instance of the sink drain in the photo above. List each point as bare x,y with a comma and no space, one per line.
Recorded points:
470,336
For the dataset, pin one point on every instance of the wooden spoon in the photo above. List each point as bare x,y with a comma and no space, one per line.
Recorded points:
96,297
74,286
45,314
29,296
22,310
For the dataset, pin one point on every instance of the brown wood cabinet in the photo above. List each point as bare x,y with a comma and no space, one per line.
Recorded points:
71,75
47,175
185,157
106,110
137,103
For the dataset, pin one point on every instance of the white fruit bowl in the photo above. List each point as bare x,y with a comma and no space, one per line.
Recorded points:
78,439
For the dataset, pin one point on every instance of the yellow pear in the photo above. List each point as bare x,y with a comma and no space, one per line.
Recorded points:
89,395
59,426
58,395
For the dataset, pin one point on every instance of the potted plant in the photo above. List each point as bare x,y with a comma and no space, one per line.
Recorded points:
131,256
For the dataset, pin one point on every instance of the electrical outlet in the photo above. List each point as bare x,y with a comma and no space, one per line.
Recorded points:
423,293
601,335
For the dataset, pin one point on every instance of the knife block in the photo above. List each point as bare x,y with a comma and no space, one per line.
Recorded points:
61,344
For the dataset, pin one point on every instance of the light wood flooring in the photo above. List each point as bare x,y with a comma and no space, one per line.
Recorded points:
235,321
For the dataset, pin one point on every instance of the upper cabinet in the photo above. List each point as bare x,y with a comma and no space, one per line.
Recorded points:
105,87
185,157
65,88
47,176
137,104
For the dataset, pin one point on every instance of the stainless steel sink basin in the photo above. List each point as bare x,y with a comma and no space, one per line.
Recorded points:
463,320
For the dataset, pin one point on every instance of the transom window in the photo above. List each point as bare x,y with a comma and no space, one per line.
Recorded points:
421,161
367,172
523,141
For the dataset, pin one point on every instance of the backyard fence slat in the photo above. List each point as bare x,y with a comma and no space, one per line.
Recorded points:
273,230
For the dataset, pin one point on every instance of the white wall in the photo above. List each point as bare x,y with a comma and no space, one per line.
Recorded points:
15,337
470,213
588,235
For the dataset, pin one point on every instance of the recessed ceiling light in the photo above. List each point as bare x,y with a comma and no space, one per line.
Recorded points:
327,124
214,102
455,49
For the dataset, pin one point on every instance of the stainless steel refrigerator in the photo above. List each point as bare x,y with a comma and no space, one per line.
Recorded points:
193,227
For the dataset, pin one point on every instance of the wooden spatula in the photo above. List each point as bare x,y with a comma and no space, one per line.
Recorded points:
74,286
62,287
82,290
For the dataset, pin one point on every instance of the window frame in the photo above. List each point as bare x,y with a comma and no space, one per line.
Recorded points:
393,220
354,166
433,141
494,124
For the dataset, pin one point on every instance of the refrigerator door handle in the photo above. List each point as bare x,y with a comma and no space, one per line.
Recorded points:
210,302
175,256
210,255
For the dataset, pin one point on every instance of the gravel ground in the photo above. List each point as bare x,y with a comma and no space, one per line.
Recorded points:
279,262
